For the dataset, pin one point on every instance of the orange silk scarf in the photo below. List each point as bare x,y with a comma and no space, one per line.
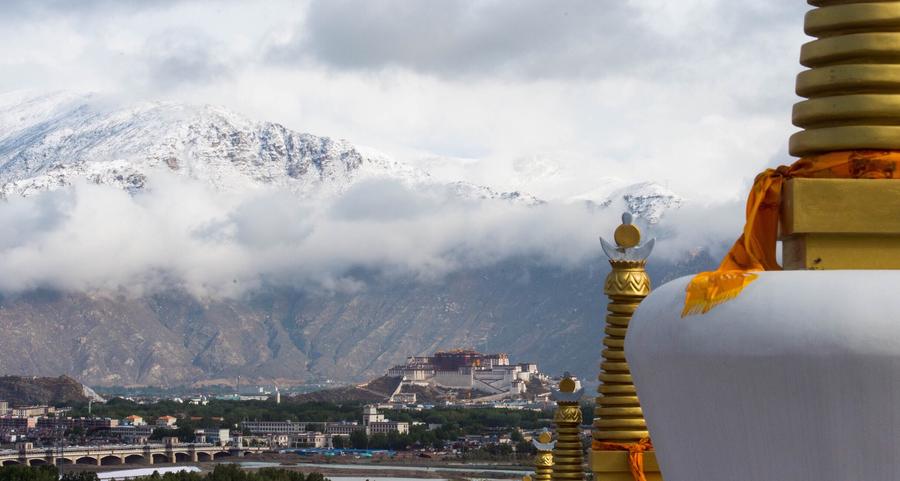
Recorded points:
755,249
635,455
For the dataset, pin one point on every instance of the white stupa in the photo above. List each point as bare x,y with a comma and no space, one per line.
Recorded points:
796,377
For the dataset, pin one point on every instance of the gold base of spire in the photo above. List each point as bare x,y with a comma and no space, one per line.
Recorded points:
613,466
840,224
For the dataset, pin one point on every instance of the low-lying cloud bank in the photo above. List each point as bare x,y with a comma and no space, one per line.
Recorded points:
180,233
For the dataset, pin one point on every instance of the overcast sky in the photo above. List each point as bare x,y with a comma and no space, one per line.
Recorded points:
553,96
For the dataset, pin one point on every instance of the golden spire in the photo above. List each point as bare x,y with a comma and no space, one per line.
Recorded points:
618,416
543,462
853,81
568,456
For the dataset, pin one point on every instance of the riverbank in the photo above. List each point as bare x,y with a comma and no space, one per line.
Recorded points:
382,469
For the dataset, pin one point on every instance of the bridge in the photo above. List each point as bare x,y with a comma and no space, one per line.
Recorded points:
170,452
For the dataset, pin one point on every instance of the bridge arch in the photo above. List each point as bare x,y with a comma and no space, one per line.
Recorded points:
10,462
221,454
201,456
111,460
182,457
134,459
86,460
37,462
160,458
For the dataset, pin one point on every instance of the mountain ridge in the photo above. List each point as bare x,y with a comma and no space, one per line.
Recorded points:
547,313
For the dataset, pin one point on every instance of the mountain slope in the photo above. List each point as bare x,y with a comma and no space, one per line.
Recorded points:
520,305
30,391
537,313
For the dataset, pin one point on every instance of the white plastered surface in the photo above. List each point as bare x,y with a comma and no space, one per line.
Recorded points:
797,379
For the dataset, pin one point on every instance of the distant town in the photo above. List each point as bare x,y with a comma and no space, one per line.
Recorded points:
456,404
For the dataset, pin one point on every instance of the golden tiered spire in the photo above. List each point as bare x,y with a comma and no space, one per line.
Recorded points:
618,416
543,461
853,81
620,436
568,457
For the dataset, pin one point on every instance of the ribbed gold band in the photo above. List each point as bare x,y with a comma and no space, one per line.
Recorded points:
853,18
853,84
845,79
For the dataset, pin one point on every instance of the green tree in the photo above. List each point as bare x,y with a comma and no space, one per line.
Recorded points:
378,441
25,473
359,440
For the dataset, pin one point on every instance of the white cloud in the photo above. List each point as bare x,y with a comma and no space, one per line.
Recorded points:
693,94
696,94
179,233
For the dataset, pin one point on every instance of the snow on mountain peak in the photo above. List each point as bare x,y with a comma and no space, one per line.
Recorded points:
50,141
647,200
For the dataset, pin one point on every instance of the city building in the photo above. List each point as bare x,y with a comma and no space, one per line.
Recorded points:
84,423
312,440
166,421
273,427
133,420
343,428
220,436
18,424
374,422
468,369
28,411
132,434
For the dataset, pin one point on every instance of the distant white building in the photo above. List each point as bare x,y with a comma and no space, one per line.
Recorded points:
273,427
312,440
132,434
219,436
342,428
166,421
467,369
133,420
375,423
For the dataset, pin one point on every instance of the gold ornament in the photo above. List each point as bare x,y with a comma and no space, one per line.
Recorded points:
543,462
618,416
853,85
568,455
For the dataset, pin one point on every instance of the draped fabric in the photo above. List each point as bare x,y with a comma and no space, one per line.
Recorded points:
635,455
755,249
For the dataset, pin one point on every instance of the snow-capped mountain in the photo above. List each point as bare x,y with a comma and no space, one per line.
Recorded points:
286,331
50,141
647,200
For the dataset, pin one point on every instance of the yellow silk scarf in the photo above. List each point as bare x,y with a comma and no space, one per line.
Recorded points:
755,250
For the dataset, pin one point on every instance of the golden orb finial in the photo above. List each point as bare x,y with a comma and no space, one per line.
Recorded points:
545,437
628,239
627,235
567,385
